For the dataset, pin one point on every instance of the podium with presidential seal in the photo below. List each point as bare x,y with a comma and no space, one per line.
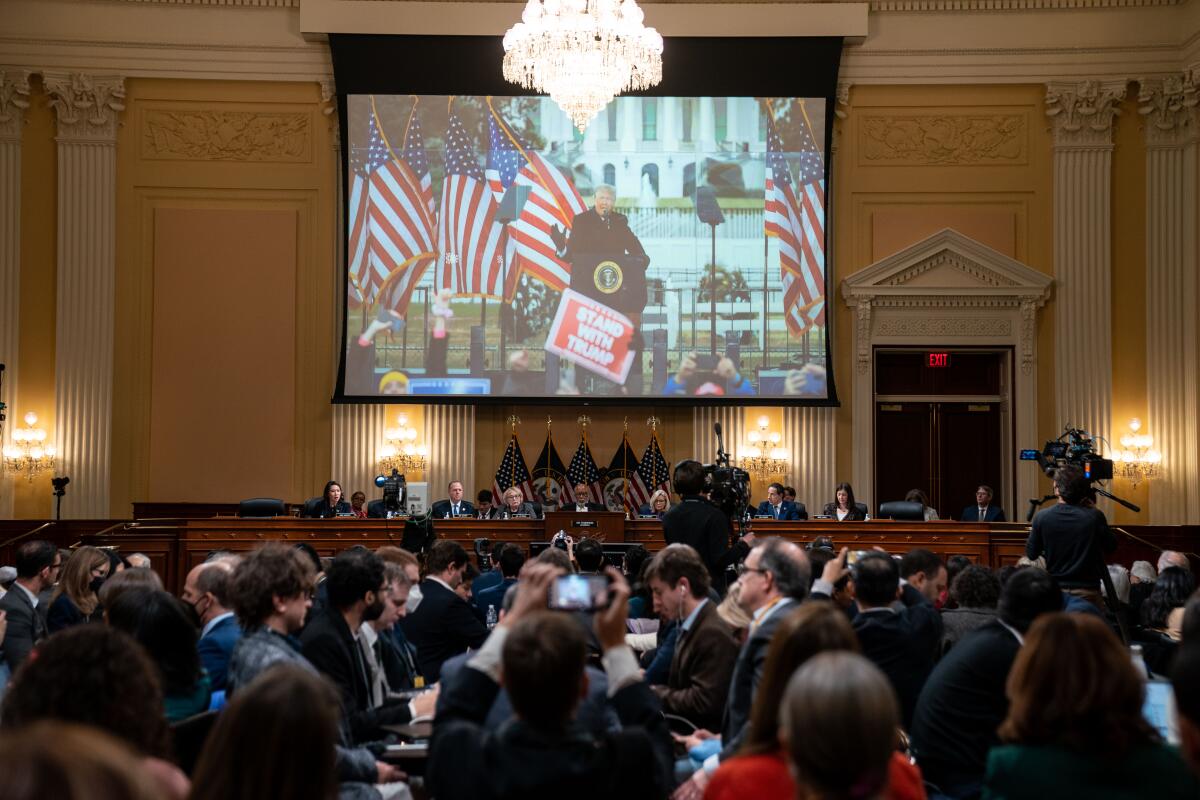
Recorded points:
618,282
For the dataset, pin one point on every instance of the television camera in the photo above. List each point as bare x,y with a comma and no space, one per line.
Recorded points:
728,486
1076,448
394,489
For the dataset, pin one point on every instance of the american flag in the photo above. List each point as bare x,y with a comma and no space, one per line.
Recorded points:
397,291
550,477
391,223
553,202
469,238
583,469
620,479
512,472
653,473
798,221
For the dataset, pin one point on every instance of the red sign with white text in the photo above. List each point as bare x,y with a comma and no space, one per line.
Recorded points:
592,335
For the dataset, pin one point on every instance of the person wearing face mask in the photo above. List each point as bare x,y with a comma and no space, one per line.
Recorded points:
206,590
76,598
356,586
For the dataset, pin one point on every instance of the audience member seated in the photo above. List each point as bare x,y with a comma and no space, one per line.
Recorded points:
93,675
1162,618
1142,576
954,565
206,590
330,504
391,661
778,508
74,762
331,643
589,556
127,580
925,572
463,589
75,599
903,642
1075,726
271,592
138,561
918,496
455,505
444,624
160,624
974,594
38,563
509,563
844,508
1185,678
660,504
964,700
705,651
840,731
983,510
412,568
267,744
541,656
583,500
515,505
632,566
1173,558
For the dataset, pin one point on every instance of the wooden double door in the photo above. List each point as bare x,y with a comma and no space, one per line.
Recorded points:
945,447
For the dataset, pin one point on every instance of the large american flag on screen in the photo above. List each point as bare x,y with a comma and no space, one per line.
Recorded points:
653,472
397,291
391,220
553,202
795,215
469,238
583,469
512,472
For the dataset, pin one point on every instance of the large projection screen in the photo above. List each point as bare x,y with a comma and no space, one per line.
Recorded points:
675,249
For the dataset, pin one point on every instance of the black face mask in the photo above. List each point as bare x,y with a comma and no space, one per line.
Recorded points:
193,613
95,584
373,611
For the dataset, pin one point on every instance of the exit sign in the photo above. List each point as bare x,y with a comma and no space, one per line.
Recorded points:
939,359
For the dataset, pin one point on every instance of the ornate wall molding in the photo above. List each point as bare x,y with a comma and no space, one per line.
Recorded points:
87,106
14,100
212,135
1082,113
862,333
944,326
975,270
1169,108
943,139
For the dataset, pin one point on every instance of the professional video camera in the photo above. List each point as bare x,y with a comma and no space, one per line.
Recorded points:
394,489
728,486
483,553
1075,447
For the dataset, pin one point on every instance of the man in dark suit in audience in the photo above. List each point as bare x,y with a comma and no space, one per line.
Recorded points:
509,562
37,563
543,753
964,700
901,641
702,526
705,651
778,508
206,589
983,510
444,624
356,587
455,505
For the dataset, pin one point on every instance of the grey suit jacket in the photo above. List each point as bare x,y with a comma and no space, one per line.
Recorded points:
747,672
25,627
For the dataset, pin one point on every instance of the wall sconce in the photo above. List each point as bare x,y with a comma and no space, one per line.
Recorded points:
1137,460
762,455
400,451
29,453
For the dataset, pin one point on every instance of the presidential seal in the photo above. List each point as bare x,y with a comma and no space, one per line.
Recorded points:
608,277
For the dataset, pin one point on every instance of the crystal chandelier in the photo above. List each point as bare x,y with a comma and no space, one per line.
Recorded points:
399,451
763,456
582,53
1138,460
29,453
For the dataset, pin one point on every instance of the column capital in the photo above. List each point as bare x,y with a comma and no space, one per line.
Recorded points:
1082,113
1169,106
841,104
87,106
14,99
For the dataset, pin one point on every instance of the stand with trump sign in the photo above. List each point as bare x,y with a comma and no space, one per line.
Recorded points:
590,334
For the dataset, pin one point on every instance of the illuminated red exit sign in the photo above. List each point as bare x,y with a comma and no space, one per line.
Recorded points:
939,359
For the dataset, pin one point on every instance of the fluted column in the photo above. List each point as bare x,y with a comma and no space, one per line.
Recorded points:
704,441
357,434
808,433
1169,108
1082,118
450,437
87,108
14,99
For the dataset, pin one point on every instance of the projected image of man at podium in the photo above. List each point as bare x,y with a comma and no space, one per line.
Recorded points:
608,264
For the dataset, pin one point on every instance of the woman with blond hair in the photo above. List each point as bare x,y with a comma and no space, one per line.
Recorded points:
76,599
660,503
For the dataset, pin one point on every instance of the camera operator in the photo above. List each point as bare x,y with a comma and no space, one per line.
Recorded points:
696,522
1073,536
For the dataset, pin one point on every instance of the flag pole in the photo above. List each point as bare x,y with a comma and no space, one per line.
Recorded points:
625,468
514,421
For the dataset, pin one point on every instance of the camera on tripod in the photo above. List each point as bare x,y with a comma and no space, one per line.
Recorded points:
1075,447
729,488
393,491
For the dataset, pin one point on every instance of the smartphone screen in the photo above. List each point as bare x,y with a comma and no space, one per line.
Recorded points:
579,593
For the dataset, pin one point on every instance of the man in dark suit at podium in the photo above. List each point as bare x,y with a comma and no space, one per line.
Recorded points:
602,233
983,510
778,508
583,504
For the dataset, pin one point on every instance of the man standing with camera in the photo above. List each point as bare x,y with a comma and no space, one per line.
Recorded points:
1073,536
698,523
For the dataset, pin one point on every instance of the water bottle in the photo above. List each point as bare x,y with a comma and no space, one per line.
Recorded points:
492,617
1139,661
